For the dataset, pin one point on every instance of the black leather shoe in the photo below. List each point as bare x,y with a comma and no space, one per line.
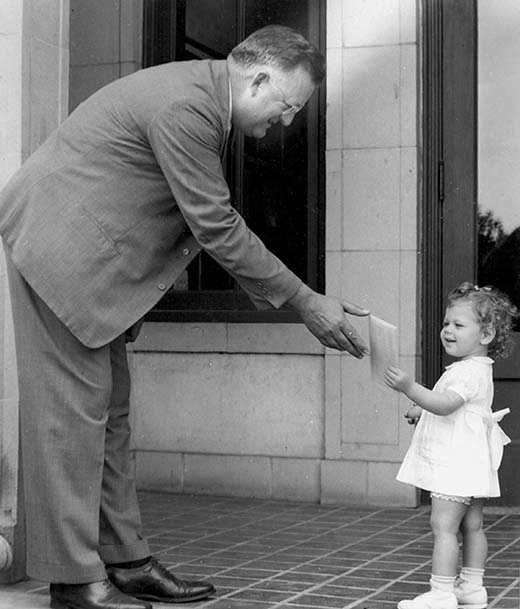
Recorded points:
98,595
153,582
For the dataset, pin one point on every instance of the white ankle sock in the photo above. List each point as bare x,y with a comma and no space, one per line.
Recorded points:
442,583
472,575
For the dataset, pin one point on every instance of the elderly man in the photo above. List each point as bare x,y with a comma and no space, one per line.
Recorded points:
97,224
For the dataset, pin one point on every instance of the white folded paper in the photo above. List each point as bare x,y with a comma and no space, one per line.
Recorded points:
383,347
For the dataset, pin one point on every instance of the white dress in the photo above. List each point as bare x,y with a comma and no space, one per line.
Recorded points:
459,454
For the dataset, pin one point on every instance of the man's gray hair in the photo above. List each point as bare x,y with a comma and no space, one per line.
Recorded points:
281,47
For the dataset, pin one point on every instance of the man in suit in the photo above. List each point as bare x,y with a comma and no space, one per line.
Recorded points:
97,225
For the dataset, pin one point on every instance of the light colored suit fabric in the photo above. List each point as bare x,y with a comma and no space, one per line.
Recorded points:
80,500
96,219
97,227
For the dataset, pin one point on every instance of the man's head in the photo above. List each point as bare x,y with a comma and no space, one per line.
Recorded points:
273,73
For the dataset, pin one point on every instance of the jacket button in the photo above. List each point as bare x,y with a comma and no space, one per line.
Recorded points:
185,251
161,286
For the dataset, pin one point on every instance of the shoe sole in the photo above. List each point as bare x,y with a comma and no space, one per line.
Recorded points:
60,605
162,599
400,606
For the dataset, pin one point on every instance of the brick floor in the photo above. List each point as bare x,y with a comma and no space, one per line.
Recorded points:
263,554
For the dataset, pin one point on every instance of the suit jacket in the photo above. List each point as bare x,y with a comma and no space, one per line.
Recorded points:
106,214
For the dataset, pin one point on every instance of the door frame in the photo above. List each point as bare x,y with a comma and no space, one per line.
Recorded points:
450,165
449,210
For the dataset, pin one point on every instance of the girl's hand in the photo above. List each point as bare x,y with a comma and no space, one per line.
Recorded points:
398,379
414,414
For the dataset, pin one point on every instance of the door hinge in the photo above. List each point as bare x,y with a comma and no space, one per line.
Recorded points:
440,178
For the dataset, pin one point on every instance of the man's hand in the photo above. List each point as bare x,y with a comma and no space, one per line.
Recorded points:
325,318
398,379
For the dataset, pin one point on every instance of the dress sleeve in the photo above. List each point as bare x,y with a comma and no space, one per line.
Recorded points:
463,379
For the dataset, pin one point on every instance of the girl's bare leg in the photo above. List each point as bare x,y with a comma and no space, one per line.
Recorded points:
445,520
474,547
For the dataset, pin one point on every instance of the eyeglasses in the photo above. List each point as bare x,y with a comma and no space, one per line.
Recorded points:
291,109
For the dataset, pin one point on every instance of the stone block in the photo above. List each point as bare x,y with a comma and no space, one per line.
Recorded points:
228,404
344,482
159,471
385,490
235,476
296,479
371,97
376,22
371,200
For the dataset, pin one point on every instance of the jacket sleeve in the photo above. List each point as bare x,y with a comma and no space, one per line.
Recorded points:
187,143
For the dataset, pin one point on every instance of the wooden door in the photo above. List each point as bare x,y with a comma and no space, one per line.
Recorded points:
498,202
461,225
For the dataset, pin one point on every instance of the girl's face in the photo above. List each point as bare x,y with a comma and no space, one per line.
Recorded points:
461,335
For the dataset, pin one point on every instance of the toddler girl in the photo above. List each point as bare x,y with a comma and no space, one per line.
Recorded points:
457,446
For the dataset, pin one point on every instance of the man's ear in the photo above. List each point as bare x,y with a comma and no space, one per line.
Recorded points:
258,79
488,335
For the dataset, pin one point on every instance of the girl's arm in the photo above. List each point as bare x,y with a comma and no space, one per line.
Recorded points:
437,403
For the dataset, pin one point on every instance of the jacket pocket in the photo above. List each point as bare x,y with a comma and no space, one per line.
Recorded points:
84,230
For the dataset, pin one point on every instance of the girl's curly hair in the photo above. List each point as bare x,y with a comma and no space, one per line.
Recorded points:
494,311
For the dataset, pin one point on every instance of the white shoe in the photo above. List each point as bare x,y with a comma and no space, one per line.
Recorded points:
470,596
430,600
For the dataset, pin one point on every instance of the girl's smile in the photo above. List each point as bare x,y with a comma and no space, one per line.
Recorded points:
461,335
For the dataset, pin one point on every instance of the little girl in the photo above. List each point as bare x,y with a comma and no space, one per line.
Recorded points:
457,446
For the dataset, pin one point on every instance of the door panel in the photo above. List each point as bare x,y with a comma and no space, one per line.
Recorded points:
472,152
450,162
506,396
499,211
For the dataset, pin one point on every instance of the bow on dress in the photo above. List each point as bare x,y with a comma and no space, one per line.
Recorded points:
497,439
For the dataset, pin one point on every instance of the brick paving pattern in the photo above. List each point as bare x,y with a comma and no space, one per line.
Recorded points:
263,554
